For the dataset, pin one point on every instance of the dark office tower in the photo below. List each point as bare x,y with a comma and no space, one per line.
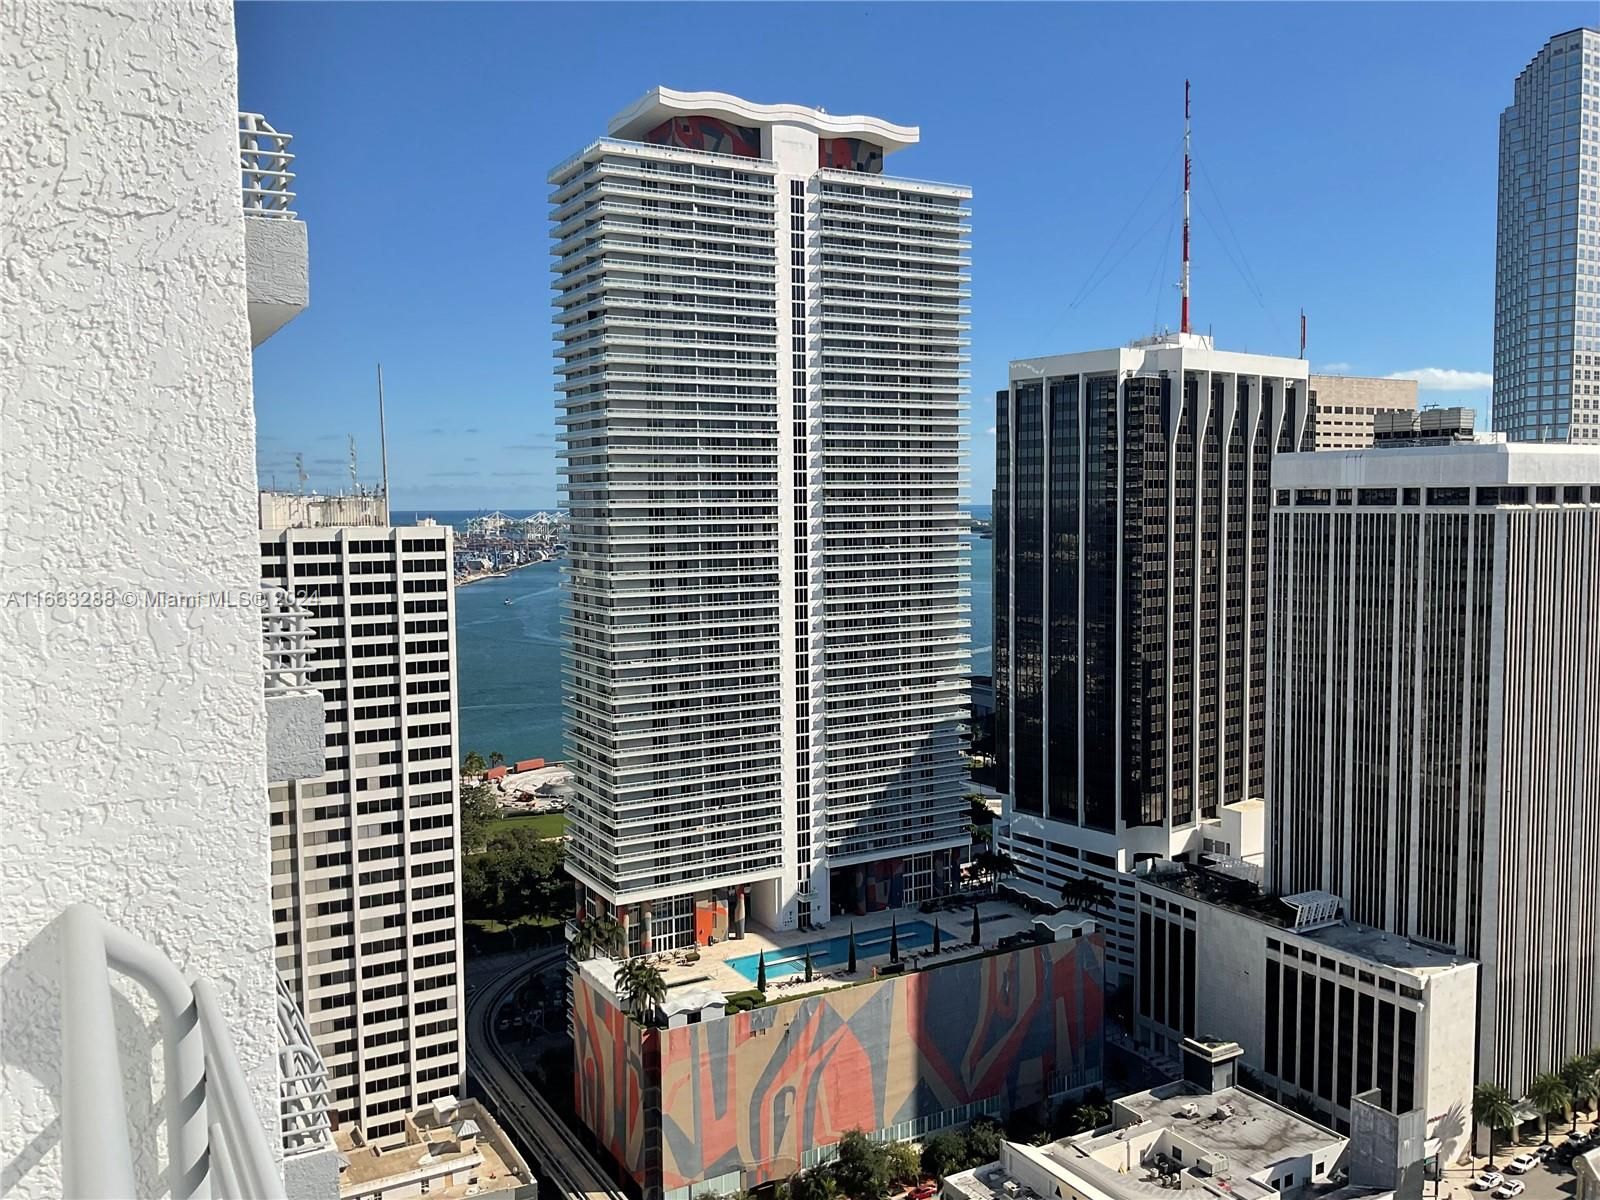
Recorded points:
1132,496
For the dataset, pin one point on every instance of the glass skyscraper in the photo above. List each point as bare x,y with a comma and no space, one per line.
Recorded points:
1547,252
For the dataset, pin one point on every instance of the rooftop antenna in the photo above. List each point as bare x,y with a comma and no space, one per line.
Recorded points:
300,474
383,446
1302,333
355,480
1184,282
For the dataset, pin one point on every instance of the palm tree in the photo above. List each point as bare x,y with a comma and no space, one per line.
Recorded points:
1549,1094
596,934
1492,1107
640,988
496,758
1581,1074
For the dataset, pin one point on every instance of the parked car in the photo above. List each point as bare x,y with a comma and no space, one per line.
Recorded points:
1523,1163
1488,1180
924,1191
1510,1188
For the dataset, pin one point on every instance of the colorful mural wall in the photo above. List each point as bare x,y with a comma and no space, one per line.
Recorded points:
708,133
850,154
754,1091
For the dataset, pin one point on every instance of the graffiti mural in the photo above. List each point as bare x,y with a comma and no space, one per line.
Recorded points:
850,154
754,1091
708,133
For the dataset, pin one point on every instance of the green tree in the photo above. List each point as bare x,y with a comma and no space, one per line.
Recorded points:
641,988
938,936
1549,1094
894,940
977,928
903,1162
479,808
815,1184
1581,1074
761,971
851,965
1492,1107
1086,893
983,1142
943,1154
808,964
496,758
861,1168
596,935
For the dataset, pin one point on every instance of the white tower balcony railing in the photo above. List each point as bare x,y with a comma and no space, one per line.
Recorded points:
303,1083
264,162
215,1147
286,635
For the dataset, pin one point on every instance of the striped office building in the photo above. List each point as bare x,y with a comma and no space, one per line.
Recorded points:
1435,718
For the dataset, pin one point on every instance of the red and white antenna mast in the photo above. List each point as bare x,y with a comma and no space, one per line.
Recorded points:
1184,282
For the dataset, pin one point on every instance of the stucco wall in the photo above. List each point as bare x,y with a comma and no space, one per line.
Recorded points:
132,752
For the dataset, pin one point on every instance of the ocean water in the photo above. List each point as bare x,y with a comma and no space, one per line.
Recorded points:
509,655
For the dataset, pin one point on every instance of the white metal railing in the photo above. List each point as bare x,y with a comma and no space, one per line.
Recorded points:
286,635
214,1145
264,162
303,1082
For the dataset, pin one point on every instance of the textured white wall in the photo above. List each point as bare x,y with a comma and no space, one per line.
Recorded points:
132,754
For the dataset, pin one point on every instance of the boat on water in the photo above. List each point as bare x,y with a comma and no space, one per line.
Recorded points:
507,600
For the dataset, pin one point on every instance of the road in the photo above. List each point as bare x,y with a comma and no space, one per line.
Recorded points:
564,1164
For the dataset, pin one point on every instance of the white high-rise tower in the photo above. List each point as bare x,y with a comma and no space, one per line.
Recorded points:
764,342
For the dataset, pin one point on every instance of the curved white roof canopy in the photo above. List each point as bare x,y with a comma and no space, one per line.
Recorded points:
659,104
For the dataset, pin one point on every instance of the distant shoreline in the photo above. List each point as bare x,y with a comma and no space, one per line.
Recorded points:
475,576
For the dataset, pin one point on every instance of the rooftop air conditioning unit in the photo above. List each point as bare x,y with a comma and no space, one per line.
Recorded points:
1010,1187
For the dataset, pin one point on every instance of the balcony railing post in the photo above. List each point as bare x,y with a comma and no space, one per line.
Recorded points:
285,642
97,1162
213,1140
264,160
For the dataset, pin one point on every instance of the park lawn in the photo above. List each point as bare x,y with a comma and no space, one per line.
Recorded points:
546,825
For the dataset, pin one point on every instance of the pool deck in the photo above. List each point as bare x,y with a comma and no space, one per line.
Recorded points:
712,971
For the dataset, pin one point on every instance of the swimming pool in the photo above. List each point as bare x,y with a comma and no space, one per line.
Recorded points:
835,951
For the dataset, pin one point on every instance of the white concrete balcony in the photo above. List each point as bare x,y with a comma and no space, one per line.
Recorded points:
277,272
214,1144
295,732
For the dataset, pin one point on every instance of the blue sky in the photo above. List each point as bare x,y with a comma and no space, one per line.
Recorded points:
1345,163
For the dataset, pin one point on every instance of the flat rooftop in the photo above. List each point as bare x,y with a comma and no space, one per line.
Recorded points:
1459,464
1250,1132
1388,949
436,1141
692,974
1360,941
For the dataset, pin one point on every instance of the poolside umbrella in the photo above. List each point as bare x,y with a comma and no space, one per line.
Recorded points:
894,941
852,967
977,929
808,964
936,936
761,971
